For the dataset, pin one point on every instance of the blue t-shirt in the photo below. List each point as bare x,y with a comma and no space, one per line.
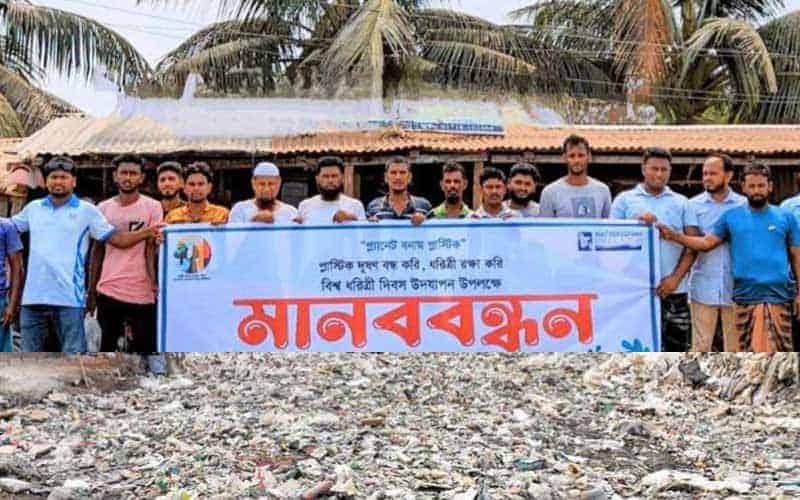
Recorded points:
759,242
9,243
58,249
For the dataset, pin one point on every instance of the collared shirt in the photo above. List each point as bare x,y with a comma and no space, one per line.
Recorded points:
382,209
792,206
481,213
59,244
670,208
212,214
532,210
760,242
244,211
440,212
711,281
180,204
9,243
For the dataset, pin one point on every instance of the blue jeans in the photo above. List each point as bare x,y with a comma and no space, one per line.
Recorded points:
5,330
36,322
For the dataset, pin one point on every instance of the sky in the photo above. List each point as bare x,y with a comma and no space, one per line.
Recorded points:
155,30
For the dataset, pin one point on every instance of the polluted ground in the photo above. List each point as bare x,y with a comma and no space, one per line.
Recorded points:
547,426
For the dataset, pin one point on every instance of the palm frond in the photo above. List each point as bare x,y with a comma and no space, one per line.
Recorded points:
71,43
782,38
10,124
750,10
740,48
379,31
34,107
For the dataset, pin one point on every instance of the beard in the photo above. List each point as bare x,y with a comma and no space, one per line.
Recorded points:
331,194
169,195
520,201
265,203
453,198
128,190
757,201
62,194
715,189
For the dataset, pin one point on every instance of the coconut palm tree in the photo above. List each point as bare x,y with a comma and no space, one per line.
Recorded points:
692,59
377,46
36,39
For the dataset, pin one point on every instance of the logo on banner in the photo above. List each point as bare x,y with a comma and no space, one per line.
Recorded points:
192,256
610,241
585,242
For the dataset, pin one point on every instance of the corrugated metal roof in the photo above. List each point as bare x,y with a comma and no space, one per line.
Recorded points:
8,155
114,135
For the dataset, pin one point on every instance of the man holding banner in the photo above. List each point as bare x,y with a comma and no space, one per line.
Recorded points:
265,206
454,182
764,241
493,186
522,180
331,205
198,182
398,204
651,201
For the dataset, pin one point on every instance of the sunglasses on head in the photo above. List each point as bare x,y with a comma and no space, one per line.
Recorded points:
59,164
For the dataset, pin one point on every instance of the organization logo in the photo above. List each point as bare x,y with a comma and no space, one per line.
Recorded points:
192,255
585,242
610,241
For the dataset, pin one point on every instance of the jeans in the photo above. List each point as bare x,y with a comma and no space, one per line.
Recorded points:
5,330
67,322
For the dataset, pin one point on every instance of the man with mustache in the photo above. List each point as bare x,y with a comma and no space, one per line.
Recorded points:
398,204
264,207
522,181
493,187
169,179
651,201
61,226
576,194
711,282
122,282
331,205
454,183
764,242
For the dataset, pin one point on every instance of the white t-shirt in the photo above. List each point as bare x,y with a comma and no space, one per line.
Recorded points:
244,211
316,211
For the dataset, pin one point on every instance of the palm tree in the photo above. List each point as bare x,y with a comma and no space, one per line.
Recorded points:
36,39
693,59
312,47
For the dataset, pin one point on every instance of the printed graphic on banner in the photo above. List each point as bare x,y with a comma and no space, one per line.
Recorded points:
441,287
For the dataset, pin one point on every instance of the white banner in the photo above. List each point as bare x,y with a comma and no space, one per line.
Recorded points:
510,286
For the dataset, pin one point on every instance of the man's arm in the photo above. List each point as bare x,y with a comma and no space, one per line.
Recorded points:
15,268
127,240
671,283
150,258
794,256
96,257
697,243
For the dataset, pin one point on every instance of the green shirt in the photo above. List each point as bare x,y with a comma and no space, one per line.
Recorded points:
440,212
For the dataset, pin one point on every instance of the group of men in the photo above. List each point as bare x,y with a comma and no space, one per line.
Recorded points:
727,260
